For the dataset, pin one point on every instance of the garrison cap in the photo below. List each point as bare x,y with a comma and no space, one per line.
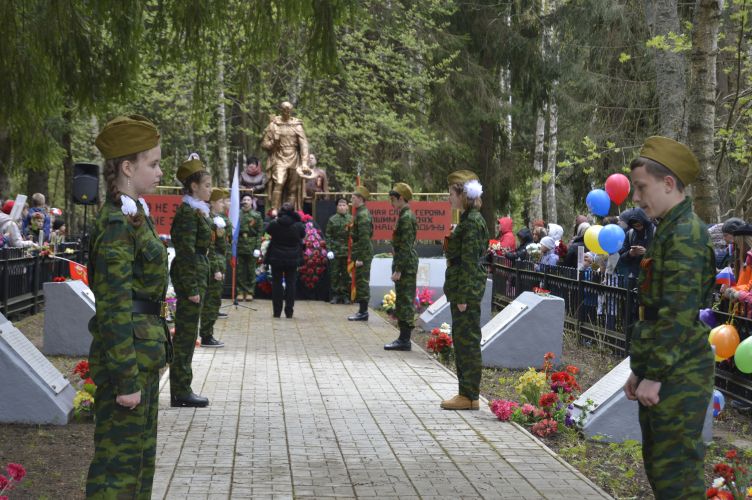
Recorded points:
362,192
189,167
461,177
219,194
404,190
673,155
127,135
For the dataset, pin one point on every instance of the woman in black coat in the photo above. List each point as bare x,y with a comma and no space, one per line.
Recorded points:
284,255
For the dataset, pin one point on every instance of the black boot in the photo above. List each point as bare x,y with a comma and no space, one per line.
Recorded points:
192,400
403,341
362,314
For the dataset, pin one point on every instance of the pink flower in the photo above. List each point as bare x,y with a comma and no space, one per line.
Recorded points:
3,483
527,409
545,427
503,408
16,471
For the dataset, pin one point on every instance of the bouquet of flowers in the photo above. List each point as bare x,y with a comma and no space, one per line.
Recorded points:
533,252
314,255
388,303
734,478
440,343
83,401
172,301
423,298
16,473
495,248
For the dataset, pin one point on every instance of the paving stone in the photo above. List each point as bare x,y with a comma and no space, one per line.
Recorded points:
315,408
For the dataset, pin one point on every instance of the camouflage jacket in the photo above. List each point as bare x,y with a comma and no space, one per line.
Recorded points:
251,230
221,244
403,241
465,279
127,261
191,236
337,235
362,231
676,281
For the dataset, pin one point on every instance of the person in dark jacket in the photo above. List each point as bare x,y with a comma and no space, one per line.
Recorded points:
637,241
525,237
284,255
579,241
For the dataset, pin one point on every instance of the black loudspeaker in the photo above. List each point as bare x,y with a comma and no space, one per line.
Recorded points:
86,183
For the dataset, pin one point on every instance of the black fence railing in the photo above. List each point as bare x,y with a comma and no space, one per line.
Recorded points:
600,311
23,274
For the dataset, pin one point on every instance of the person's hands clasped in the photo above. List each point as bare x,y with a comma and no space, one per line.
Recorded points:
648,392
637,250
195,299
129,401
396,275
219,276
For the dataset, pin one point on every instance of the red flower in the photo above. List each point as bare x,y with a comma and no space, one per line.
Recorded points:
3,482
549,355
573,369
89,381
716,494
58,279
16,471
548,399
731,454
725,471
82,369
545,427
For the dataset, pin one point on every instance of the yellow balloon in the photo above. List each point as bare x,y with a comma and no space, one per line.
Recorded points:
591,239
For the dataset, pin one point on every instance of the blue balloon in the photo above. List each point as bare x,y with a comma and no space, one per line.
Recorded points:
611,238
719,402
598,202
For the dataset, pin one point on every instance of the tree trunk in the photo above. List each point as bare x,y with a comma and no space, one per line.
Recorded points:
553,126
5,161
536,192
702,91
222,168
37,181
670,69
68,214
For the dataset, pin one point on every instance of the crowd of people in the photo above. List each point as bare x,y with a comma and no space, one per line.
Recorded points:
32,225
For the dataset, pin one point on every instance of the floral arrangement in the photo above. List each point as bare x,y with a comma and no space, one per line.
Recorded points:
263,277
734,478
83,401
388,303
172,301
423,298
16,473
495,248
534,252
314,255
546,396
58,279
440,342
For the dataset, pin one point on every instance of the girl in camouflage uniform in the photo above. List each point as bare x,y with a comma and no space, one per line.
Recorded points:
220,237
191,237
127,271
464,285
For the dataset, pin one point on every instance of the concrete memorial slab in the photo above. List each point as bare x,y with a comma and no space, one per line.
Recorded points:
611,417
33,390
68,308
439,312
430,275
523,332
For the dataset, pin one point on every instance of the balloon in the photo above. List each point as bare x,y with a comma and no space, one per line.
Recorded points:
611,238
598,202
617,187
719,402
718,358
591,239
725,338
743,356
707,316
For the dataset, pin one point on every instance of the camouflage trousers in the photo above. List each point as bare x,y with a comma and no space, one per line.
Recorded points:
339,280
212,303
405,303
187,319
246,274
466,340
672,445
125,443
363,282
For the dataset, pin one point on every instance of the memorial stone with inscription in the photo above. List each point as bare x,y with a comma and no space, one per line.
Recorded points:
439,312
430,275
32,391
68,308
611,417
523,332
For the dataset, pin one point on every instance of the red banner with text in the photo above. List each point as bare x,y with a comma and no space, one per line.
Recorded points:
163,208
434,219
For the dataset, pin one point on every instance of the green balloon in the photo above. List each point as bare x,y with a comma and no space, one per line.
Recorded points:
743,356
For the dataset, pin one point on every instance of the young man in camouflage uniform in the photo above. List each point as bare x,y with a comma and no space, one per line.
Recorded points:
249,243
362,251
404,265
221,233
671,360
464,284
337,234
128,274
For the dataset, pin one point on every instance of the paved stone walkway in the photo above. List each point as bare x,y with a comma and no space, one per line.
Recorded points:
313,407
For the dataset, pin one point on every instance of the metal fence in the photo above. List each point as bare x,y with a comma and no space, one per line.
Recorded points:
22,277
600,311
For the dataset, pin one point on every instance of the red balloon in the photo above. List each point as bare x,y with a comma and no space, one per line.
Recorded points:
617,187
